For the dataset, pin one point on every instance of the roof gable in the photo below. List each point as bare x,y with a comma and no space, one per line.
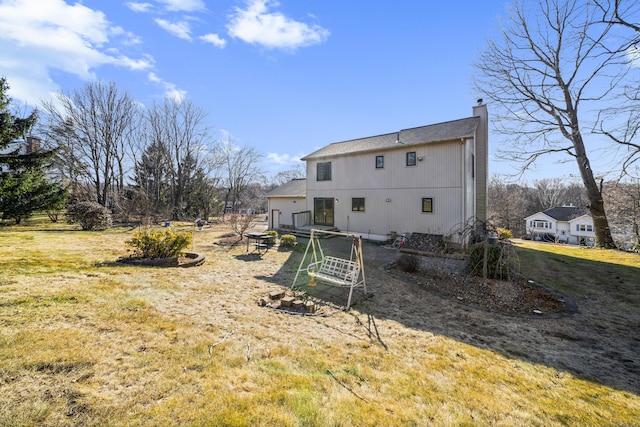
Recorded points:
447,131
566,213
585,217
539,216
294,188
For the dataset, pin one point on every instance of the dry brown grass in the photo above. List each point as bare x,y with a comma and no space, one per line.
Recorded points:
86,341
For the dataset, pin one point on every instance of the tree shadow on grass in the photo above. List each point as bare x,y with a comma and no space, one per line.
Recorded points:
598,342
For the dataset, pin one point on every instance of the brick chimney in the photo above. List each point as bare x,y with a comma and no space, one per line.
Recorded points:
33,144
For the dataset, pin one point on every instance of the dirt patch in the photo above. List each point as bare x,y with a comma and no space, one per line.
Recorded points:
517,296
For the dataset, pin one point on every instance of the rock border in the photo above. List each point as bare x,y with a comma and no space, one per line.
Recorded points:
193,260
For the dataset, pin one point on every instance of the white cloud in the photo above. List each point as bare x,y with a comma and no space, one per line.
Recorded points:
38,37
282,159
183,5
180,29
214,39
139,7
273,30
170,90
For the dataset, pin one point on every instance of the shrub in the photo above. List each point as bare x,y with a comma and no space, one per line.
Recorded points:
90,215
504,234
165,243
288,241
274,236
408,263
497,267
241,222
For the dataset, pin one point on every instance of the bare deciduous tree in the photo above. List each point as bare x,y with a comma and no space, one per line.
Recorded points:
178,132
240,223
621,122
620,12
551,63
95,126
287,175
553,192
241,169
508,205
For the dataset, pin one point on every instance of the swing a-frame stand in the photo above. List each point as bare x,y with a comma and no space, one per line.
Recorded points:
341,272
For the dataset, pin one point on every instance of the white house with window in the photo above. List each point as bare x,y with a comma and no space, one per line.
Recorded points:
430,179
564,224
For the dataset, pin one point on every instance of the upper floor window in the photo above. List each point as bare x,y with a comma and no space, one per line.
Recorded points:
427,204
584,227
357,204
379,162
323,171
411,158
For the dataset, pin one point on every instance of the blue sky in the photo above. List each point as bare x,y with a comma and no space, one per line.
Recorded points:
285,77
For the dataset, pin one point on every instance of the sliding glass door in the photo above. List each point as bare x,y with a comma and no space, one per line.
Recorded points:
323,211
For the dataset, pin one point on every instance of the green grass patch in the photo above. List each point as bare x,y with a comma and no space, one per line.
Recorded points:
608,275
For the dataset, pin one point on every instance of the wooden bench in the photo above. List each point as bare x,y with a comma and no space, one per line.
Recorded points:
335,271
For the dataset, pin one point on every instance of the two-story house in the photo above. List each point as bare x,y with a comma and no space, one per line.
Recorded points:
430,179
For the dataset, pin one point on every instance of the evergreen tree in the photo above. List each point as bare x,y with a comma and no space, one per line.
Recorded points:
151,177
24,188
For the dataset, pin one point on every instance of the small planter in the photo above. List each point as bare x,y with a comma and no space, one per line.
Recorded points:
187,260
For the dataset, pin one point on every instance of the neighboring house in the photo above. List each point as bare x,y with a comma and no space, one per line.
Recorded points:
284,202
26,146
565,224
429,179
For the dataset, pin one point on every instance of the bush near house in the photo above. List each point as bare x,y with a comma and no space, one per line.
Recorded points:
288,241
504,234
274,236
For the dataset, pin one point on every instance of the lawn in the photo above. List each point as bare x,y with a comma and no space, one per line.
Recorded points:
87,341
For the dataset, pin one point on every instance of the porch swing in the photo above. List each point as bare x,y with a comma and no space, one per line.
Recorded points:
331,270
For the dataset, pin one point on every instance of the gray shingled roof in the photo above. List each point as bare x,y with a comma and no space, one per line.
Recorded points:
294,188
565,213
447,131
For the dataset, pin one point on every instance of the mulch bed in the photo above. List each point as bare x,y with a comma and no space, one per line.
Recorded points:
517,296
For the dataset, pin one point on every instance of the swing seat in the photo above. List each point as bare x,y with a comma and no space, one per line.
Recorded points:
346,273
335,271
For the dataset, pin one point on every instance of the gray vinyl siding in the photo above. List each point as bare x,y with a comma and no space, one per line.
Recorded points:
453,172
439,175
